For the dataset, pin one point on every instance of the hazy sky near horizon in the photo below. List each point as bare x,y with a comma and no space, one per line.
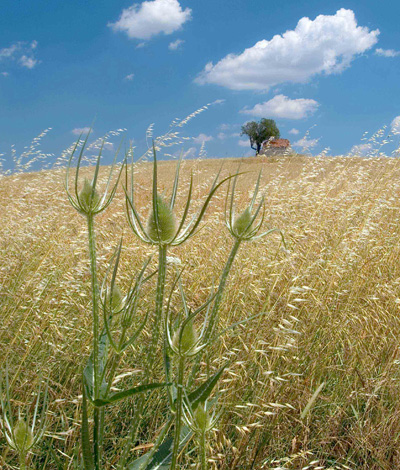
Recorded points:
330,68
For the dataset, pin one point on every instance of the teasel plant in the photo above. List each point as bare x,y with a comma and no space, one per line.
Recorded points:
24,433
243,227
164,231
184,344
100,369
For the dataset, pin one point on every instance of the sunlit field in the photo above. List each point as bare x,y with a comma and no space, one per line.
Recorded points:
330,301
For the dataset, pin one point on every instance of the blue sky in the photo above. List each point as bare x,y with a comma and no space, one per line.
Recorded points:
329,67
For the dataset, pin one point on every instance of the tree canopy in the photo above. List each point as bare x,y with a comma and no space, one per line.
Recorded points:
260,131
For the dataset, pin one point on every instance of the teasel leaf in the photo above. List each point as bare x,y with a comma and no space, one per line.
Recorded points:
204,391
116,397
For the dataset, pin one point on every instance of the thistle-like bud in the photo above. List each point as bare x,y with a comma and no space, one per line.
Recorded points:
166,223
242,223
88,201
201,417
188,340
23,436
115,298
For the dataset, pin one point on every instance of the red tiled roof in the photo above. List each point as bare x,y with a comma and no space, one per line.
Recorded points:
277,143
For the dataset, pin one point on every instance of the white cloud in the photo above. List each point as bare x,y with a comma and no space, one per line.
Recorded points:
81,130
174,45
190,153
130,77
306,143
244,143
218,102
395,125
201,138
327,44
224,135
387,52
4,74
280,106
361,150
28,62
294,131
151,18
21,52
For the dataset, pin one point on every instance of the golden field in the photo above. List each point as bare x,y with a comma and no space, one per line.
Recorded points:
331,300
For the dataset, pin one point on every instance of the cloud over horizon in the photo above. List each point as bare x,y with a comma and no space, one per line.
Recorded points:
150,18
326,45
280,106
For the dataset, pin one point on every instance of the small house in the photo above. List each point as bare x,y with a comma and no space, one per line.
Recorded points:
275,146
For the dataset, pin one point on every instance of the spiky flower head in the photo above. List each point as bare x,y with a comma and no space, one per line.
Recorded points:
165,230
23,436
114,299
88,198
242,223
187,340
201,417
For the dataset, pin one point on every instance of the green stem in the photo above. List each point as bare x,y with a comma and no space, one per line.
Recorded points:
203,454
158,316
97,431
217,303
22,461
178,412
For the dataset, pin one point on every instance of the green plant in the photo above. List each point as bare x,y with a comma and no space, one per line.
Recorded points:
178,338
22,434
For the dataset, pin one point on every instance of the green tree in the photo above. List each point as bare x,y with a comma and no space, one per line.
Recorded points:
260,131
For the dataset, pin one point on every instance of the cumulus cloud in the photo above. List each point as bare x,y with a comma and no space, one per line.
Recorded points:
294,131
280,106
387,52
175,45
395,125
328,44
151,18
22,53
201,138
81,130
28,62
130,77
306,143
361,150
190,153
243,143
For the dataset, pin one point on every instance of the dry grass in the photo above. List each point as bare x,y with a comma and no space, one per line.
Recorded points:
331,301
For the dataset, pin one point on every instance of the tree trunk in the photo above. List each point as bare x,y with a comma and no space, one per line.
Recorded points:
258,148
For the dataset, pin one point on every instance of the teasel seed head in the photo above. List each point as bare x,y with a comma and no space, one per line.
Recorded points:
23,437
242,223
188,339
166,229
88,199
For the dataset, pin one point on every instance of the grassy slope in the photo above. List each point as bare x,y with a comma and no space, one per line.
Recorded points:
332,303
